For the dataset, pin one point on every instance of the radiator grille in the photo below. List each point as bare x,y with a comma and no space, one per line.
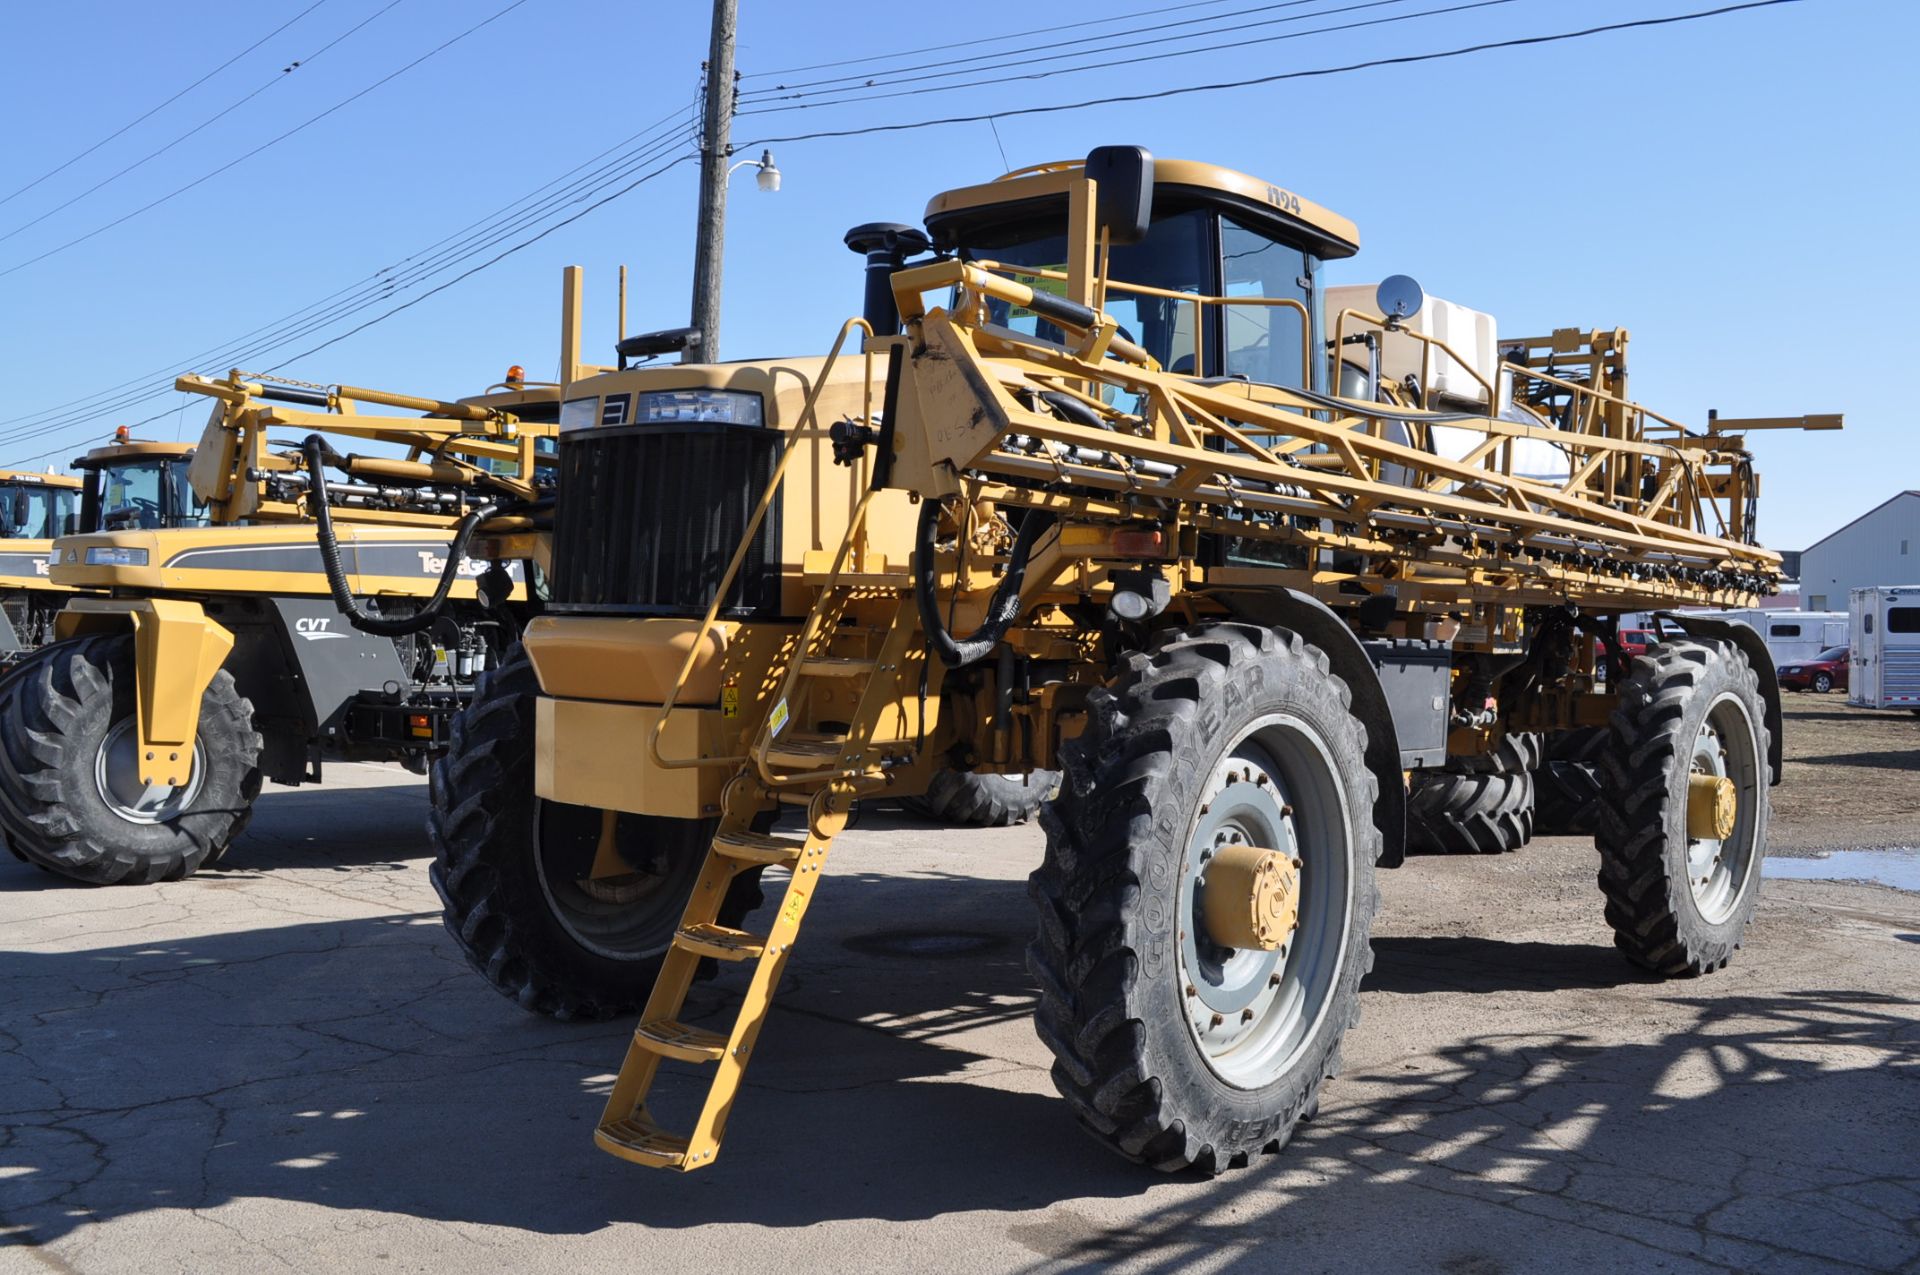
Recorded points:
648,517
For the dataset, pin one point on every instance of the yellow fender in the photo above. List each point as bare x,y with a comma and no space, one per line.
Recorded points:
176,652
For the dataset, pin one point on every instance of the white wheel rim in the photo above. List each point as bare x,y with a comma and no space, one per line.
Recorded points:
1720,870
116,775
1252,1013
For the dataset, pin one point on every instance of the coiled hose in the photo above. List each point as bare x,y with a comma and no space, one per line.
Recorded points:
1003,608
318,455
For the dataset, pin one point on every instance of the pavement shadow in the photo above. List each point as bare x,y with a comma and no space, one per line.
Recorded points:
359,1065
1462,963
293,828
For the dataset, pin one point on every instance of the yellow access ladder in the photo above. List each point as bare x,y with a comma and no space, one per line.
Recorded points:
824,771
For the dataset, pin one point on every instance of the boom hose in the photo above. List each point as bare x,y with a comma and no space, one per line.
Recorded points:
316,451
1002,609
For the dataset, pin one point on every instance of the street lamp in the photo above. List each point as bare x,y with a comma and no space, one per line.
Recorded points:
768,178
709,246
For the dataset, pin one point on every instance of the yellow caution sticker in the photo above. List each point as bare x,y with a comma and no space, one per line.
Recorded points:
796,904
729,701
777,719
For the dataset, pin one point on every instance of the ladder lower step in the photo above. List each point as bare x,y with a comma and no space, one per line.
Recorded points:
677,1040
836,666
754,847
805,750
635,1137
719,942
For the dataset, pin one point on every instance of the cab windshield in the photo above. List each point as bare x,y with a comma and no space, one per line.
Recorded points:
146,495
31,511
1197,252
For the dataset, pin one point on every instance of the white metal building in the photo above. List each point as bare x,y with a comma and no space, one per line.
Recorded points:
1881,546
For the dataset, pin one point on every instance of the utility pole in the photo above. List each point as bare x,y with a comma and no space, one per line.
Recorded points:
715,150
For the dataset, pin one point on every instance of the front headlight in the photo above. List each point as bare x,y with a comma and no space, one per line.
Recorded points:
1793,668
728,407
116,556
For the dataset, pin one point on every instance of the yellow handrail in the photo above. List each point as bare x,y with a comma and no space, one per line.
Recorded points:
807,414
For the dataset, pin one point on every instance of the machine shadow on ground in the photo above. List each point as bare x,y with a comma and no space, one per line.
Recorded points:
359,1065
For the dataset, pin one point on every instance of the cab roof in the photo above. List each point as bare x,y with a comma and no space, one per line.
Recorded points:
127,451
1177,183
38,479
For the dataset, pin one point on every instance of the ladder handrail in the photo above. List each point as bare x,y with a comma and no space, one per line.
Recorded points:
807,415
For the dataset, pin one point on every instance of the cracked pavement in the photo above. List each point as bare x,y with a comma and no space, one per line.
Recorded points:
284,1064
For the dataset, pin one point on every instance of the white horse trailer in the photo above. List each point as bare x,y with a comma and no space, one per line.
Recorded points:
1884,667
1792,635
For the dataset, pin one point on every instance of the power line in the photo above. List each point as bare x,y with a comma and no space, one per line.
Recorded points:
382,279
985,39
169,102
305,124
1156,28
1318,72
211,119
863,95
384,286
380,286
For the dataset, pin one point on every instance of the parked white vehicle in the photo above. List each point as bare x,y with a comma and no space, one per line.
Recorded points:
1884,663
1793,635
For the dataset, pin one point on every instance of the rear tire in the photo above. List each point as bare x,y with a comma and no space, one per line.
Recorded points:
553,943
983,801
1680,905
1230,730
70,797
1470,814
1566,787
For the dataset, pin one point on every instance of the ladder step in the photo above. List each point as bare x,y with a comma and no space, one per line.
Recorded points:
805,750
754,847
635,1137
719,942
677,1040
836,666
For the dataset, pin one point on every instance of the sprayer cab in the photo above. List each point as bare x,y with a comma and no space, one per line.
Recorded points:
1158,245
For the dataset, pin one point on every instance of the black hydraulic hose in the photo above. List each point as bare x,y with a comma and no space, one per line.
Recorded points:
1003,608
317,453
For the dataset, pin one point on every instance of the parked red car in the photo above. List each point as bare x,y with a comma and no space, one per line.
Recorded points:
1825,672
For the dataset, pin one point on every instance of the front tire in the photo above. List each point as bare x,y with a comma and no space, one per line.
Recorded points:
506,864
70,795
1822,683
1679,902
1173,1049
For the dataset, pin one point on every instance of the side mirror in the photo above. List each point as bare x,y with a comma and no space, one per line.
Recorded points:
22,508
1399,297
1123,204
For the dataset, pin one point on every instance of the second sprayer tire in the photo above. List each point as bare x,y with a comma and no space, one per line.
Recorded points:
70,794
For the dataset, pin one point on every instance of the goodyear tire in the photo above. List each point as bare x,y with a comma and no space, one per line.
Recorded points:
70,795
553,942
1566,788
1172,1049
984,801
1679,904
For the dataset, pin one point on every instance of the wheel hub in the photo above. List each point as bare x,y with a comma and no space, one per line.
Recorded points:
1713,806
116,774
1252,897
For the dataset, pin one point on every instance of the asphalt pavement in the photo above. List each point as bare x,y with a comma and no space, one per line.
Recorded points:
285,1064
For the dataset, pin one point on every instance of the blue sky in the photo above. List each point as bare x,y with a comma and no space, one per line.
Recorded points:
1733,191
